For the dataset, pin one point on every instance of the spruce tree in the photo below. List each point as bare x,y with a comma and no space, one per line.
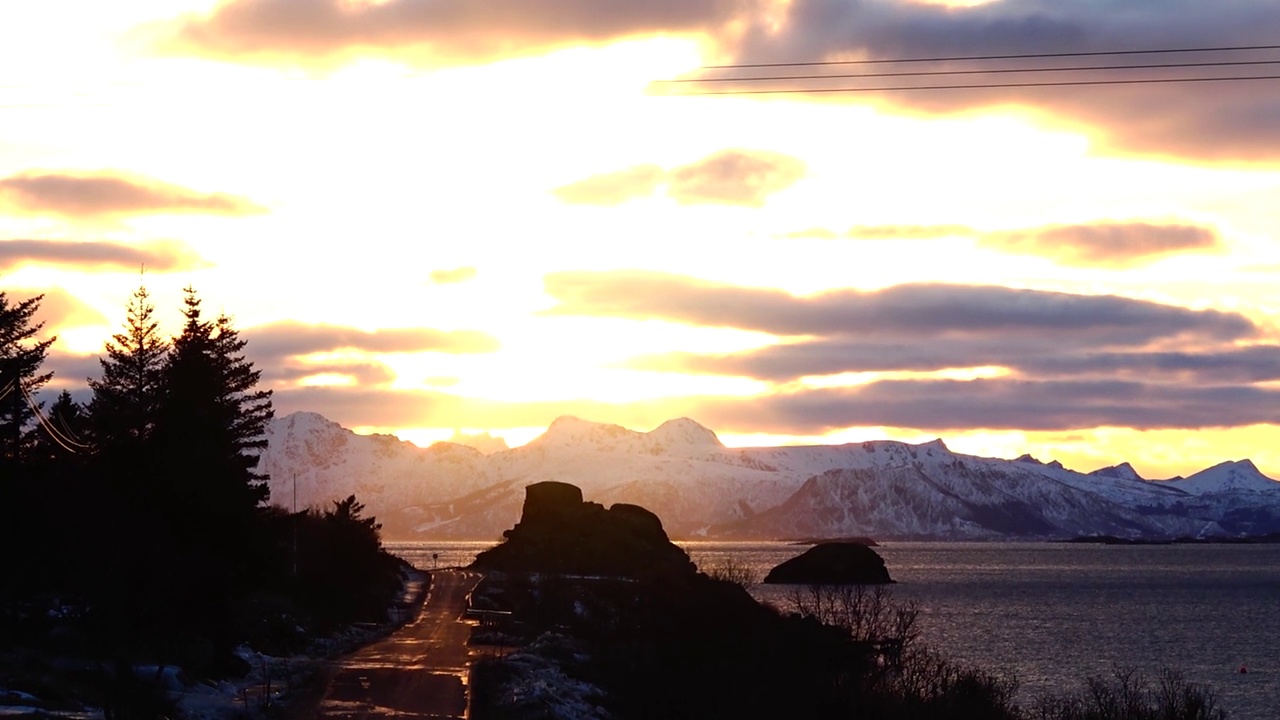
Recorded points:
23,562
127,397
209,430
21,356
213,419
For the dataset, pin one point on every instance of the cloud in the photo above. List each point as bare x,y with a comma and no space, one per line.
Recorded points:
452,276
902,311
613,188
1205,120
1106,244
274,342
729,177
1101,244
1071,361
734,177
442,32
999,404
164,256
907,232
107,194
58,309
71,371
484,442
1026,356
1252,364
385,407
925,405
813,233
362,374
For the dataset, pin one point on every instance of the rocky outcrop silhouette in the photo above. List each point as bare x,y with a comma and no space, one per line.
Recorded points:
560,534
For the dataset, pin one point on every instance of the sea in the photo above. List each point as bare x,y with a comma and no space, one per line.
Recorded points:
1052,615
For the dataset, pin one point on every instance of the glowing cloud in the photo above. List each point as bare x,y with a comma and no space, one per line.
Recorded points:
98,194
294,339
154,256
613,188
439,31
59,309
1106,245
452,276
734,177
729,177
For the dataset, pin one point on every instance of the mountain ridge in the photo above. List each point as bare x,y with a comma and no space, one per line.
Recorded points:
883,488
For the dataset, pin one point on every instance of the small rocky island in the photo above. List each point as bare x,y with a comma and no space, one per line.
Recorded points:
835,563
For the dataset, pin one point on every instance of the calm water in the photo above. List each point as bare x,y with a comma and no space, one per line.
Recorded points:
1053,614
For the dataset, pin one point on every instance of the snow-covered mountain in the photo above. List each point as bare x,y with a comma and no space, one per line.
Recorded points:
1224,478
681,471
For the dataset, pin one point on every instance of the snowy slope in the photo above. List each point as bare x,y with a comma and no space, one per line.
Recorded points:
681,471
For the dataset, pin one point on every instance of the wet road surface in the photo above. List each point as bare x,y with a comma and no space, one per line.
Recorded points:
419,671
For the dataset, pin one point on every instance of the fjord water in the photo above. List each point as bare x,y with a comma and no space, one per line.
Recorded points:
1054,614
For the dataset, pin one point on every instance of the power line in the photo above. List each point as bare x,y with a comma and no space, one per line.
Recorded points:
64,442
976,86
994,71
959,58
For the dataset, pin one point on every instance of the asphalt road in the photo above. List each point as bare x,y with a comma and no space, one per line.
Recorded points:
419,671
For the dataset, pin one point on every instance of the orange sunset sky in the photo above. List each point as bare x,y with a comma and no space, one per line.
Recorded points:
433,216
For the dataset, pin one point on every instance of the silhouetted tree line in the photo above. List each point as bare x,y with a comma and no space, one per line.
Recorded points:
135,526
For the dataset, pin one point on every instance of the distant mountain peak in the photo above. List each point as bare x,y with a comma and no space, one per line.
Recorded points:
1229,476
684,431
571,430
935,444
1123,471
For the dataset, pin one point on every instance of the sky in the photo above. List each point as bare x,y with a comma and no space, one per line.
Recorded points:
442,218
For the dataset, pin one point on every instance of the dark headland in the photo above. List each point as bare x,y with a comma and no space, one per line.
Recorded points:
592,612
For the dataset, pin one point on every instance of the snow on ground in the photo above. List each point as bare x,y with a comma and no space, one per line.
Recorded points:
540,688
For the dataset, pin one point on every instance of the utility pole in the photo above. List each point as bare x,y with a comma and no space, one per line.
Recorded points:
295,524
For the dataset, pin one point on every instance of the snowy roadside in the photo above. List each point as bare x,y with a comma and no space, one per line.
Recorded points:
274,681
269,686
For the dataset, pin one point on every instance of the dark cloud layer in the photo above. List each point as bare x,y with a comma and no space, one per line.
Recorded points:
935,405
1028,355
1000,404
72,371
104,194
154,256
1222,120
1106,244
308,32
1069,361
729,177
903,311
